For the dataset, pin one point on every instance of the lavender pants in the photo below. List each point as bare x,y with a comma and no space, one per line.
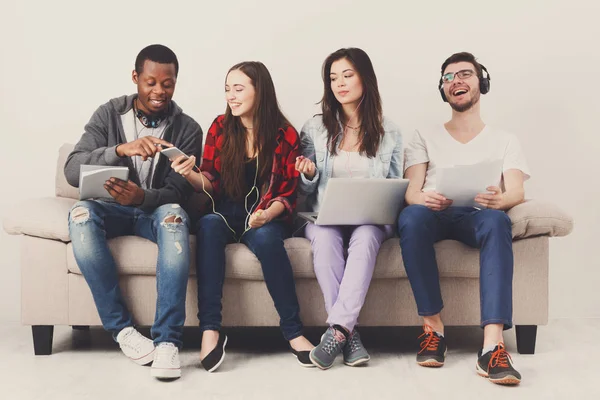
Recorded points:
345,280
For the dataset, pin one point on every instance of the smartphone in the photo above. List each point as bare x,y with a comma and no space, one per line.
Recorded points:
172,153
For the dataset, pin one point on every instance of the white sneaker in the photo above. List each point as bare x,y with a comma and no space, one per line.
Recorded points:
166,361
136,346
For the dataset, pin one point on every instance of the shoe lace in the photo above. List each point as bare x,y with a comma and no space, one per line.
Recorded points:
431,340
500,357
355,343
133,339
331,344
166,350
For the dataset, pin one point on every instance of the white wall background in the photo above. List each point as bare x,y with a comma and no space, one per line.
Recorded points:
61,59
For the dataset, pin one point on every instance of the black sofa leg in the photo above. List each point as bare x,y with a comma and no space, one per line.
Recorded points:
526,335
81,327
42,339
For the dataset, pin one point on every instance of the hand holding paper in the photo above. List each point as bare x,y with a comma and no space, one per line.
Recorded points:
435,201
126,193
494,201
92,180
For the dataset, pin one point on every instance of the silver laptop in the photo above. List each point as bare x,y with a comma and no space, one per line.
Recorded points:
360,201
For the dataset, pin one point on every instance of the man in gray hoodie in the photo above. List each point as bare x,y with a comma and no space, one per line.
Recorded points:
131,131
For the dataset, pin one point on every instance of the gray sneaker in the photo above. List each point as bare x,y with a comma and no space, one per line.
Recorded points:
325,353
354,351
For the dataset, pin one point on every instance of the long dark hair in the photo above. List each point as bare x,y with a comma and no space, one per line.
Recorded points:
268,119
370,111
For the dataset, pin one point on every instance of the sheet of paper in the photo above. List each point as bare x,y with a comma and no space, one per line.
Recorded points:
461,183
93,177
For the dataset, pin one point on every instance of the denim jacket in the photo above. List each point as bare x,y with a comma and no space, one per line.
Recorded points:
313,139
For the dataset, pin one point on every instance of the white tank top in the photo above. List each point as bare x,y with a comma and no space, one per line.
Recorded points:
350,164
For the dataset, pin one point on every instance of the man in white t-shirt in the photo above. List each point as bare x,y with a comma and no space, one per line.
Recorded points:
430,217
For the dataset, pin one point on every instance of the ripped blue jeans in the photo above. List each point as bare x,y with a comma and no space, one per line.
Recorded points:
92,223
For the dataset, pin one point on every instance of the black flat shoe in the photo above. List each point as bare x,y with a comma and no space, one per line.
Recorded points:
303,358
214,359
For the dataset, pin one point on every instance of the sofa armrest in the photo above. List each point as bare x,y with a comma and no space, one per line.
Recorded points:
42,217
539,218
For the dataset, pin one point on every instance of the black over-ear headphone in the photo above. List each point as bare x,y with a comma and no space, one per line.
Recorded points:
484,83
149,121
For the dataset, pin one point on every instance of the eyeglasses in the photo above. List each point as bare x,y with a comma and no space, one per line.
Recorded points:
462,74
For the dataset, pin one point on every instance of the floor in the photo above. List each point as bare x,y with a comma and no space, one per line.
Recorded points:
88,365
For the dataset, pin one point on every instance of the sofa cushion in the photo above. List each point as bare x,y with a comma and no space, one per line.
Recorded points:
537,218
137,256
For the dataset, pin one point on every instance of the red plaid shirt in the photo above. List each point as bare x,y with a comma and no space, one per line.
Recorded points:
284,177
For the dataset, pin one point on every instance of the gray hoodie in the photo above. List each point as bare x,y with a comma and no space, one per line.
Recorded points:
104,132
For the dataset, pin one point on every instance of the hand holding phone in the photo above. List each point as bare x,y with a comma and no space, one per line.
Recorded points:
180,162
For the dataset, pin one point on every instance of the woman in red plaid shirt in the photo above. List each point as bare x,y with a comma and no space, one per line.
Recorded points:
248,169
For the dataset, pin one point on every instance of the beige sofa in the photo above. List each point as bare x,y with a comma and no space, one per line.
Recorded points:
53,291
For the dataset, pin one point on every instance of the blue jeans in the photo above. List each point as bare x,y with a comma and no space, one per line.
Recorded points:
489,230
266,243
92,223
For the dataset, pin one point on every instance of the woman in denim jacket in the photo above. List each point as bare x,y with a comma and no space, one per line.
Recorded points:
350,139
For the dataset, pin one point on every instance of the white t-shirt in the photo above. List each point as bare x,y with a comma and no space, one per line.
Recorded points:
437,147
350,164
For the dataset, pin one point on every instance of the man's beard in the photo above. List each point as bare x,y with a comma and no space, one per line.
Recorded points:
466,106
